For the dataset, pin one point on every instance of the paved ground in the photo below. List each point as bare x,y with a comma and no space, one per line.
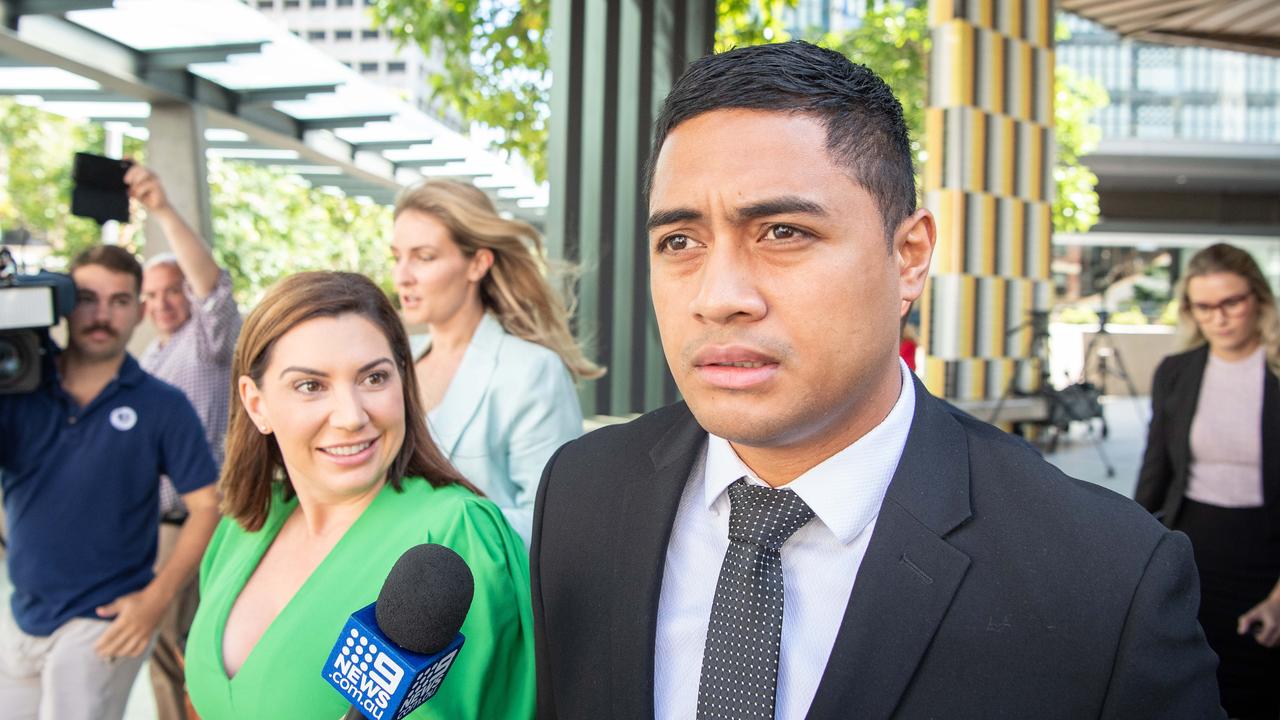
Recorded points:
1077,455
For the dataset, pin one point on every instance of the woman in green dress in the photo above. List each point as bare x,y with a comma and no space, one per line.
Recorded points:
329,476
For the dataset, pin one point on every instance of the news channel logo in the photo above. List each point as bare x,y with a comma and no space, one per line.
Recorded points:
377,677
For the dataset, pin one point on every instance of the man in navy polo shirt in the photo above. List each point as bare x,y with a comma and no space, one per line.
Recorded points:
81,458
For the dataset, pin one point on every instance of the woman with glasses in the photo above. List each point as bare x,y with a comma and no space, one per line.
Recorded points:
1212,467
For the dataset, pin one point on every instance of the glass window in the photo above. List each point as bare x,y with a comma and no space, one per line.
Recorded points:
319,3
395,67
344,3
368,67
290,4
1154,121
315,34
341,34
266,4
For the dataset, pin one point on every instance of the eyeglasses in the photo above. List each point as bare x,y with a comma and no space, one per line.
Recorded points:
1234,306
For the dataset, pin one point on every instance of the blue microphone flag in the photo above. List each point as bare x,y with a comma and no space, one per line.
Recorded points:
381,680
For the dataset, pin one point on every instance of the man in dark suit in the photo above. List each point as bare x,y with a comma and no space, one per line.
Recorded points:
813,534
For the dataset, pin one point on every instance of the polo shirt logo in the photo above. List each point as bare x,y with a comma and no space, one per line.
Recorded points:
123,418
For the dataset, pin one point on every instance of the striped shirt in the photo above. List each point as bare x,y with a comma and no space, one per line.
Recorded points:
197,360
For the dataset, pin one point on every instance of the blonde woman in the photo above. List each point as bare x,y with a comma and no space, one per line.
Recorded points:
1212,467
497,372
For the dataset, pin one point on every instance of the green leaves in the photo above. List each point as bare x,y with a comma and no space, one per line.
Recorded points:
267,223
496,64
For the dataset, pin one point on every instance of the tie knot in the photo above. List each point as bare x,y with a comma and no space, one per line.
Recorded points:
763,516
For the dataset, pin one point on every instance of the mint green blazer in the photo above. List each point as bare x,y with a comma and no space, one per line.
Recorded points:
510,405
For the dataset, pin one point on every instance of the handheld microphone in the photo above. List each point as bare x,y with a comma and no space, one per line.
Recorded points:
392,655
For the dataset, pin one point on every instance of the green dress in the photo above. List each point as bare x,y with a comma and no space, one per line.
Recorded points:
493,676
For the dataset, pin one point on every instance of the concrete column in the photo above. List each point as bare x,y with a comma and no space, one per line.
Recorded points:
613,62
175,152
989,181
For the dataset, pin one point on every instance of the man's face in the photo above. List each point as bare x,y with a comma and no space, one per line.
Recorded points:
777,295
107,310
164,298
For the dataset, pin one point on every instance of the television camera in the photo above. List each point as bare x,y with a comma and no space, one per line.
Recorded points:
30,304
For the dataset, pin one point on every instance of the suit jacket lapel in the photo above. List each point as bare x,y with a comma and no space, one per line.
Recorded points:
468,387
1187,397
908,576
1271,448
647,513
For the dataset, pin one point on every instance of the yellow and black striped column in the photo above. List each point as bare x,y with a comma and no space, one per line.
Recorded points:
988,179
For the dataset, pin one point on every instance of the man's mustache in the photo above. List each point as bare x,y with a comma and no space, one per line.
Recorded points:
98,326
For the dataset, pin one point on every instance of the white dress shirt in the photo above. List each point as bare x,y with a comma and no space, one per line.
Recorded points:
819,562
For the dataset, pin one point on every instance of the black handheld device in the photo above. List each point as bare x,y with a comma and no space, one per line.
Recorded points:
99,191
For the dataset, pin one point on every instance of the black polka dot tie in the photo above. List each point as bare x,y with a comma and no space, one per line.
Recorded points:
740,661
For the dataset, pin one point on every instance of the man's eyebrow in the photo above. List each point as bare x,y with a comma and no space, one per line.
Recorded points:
671,217
785,205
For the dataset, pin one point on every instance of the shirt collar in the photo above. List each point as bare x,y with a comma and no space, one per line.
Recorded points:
845,490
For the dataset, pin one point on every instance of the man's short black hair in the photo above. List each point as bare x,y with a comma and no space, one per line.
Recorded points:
113,258
865,130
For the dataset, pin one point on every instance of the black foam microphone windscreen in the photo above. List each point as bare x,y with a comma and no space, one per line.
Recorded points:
425,598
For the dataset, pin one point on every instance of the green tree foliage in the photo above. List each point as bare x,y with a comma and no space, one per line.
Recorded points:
1076,99
495,64
894,42
750,22
36,151
496,72
267,222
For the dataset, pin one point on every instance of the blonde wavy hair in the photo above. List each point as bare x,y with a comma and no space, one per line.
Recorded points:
516,288
1224,258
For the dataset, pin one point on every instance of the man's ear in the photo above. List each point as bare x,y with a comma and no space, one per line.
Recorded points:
480,264
251,399
913,244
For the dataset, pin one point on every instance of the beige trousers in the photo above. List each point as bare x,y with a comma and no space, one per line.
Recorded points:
168,670
60,677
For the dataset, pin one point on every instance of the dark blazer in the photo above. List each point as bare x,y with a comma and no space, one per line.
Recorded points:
1166,465
993,587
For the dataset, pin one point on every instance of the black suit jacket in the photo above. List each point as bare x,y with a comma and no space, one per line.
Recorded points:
1166,465
993,587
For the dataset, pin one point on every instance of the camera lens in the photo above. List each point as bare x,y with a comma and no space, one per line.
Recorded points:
19,362
10,361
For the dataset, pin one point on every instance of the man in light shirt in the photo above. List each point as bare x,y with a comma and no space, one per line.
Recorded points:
813,535
188,299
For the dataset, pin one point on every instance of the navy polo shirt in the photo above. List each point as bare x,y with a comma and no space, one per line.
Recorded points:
82,489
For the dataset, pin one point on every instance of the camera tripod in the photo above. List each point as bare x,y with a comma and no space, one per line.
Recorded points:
1075,403
1101,347
1039,324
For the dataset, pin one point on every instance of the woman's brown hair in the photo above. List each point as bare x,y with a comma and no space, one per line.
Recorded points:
1224,258
253,459
515,289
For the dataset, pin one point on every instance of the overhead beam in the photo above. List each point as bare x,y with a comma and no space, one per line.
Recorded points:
381,145
181,57
348,121
54,7
415,163
283,93
70,95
